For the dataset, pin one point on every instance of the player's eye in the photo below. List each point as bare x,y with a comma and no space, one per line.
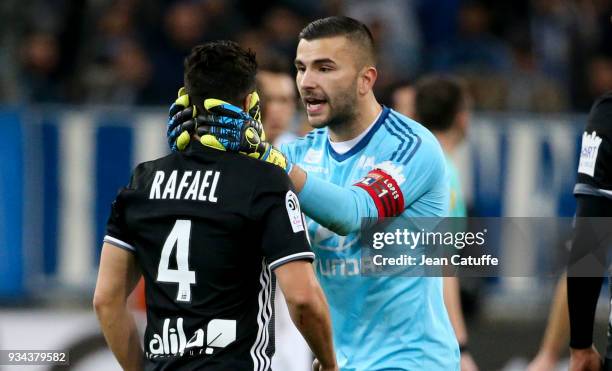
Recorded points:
300,68
325,68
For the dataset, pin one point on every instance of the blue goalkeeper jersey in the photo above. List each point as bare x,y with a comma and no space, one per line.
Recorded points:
379,323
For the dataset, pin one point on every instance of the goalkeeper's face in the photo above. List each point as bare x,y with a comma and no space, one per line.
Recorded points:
327,74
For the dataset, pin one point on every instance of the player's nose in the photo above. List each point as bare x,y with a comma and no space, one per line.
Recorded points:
306,80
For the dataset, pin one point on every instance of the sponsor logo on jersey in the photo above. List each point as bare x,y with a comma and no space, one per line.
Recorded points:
293,210
173,342
314,169
588,153
313,156
337,266
325,239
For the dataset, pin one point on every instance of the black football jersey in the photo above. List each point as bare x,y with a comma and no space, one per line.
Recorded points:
595,170
595,166
208,228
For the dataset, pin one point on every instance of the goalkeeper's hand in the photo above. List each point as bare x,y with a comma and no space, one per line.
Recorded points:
226,127
227,119
180,112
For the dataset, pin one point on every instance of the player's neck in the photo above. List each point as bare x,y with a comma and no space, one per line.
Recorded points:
353,128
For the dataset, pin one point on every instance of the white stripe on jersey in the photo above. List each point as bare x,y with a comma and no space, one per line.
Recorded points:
261,361
288,258
587,189
267,317
115,241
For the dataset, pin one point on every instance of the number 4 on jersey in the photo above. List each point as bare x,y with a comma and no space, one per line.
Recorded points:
179,236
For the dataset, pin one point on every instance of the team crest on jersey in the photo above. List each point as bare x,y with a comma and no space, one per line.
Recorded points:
365,162
395,170
371,179
588,153
293,210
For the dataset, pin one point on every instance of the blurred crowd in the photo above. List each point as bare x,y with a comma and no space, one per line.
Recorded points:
522,55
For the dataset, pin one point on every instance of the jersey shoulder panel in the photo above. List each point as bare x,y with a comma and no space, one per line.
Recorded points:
406,137
145,171
411,143
270,177
595,163
298,149
415,161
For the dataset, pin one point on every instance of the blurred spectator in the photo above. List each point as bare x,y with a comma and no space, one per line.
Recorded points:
477,55
278,98
184,24
115,25
278,95
592,39
475,49
394,25
281,28
527,88
438,20
125,80
40,58
551,27
400,97
600,75
256,40
562,65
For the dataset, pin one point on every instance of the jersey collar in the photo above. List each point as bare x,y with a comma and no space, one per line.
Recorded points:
197,149
363,142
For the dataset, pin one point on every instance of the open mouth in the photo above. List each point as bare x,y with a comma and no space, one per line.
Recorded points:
314,105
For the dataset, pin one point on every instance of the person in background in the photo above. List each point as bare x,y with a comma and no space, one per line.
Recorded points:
442,105
556,334
400,96
278,101
588,261
276,89
575,301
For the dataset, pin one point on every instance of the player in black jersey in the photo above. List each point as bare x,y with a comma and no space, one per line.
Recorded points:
209,245
593,192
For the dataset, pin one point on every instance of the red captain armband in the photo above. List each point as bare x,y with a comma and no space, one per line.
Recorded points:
385,192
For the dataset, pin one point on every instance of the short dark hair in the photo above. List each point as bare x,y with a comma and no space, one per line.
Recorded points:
438,100
220,69
341,26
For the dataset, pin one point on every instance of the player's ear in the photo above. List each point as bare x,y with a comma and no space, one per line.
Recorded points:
367,79
246,103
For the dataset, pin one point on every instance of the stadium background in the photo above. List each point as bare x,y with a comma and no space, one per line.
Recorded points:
84,88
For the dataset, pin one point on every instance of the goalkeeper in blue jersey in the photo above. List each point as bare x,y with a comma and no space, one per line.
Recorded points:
362,160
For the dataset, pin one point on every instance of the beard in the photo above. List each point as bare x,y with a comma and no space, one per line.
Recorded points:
343,108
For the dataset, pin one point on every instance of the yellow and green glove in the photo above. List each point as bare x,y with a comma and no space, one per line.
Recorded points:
222,126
